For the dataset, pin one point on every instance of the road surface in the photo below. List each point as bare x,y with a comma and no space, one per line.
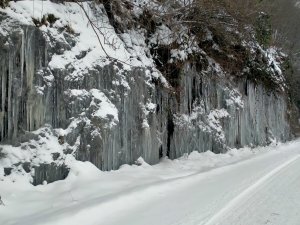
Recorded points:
264,190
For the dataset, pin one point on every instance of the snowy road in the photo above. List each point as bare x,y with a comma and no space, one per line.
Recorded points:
260,191
275,201
264,188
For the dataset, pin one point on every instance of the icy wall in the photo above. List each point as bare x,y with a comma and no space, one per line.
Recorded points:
111,115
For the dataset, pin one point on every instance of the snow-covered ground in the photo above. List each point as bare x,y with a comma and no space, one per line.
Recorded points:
246,186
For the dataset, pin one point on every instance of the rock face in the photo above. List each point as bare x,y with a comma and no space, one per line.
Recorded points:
98,120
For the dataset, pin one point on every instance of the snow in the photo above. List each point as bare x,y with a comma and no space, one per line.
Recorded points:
224,211
178,54
100,106
205,184
39,150
210,123
139,5
129,48
275,196
105,109
214,121
146,109
274,60
145,124
135,43
36,151
70,14
235,98
79,93
162,36
73,125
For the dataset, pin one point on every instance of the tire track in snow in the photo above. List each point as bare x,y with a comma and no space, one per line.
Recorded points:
216,218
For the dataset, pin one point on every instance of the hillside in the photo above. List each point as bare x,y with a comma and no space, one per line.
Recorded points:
112,81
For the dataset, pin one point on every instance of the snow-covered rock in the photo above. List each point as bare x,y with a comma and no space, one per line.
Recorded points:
101,95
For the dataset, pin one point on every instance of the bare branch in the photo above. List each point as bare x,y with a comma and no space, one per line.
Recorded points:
95,29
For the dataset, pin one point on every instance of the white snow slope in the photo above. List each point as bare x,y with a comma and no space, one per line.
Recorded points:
241,187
